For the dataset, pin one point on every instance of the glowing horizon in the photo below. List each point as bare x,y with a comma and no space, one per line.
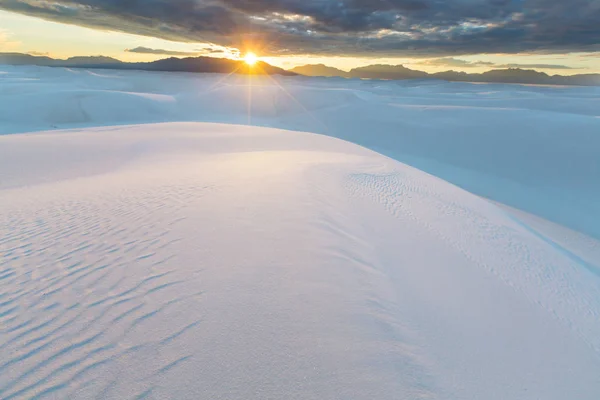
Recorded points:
30,35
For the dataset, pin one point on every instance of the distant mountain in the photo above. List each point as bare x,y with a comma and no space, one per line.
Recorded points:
173,64
451,76
90,60
511,75
393,72
207,64
25,59
523,76
380,71
320,70
583,79
400,72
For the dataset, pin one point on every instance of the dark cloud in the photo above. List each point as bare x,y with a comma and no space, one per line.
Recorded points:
349,27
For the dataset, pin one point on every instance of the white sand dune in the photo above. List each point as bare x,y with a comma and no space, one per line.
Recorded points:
534,148
196,260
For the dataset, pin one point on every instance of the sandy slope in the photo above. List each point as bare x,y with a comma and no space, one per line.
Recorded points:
206,261
533,148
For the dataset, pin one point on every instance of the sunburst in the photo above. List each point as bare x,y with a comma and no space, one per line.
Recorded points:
250,58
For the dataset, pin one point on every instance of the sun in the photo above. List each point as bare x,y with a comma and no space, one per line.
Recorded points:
250,58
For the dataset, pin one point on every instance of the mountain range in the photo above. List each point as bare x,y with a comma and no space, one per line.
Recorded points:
400,72
172,64
378,71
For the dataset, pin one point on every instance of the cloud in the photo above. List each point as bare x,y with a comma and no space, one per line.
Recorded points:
146,50
164,52
455,62
537,66
381,28
6,43
458,63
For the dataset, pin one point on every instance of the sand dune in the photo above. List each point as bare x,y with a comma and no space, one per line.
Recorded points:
193,260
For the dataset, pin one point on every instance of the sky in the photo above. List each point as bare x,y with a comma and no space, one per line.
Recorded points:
557,37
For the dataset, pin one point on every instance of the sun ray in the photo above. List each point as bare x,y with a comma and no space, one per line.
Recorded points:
294,99
223,79
249,99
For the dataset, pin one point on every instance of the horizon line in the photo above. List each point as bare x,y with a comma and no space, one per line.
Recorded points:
523,67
